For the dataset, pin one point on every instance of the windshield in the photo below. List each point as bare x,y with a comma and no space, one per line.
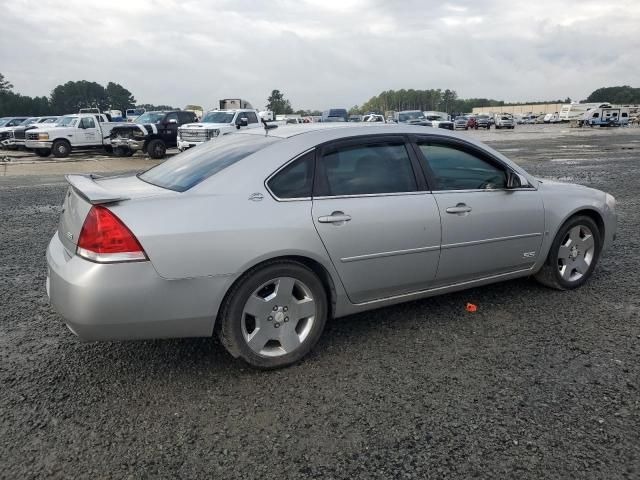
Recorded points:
218,117
185,170
483,117
68,122
4,121
150,117
49,120
29,121
407,116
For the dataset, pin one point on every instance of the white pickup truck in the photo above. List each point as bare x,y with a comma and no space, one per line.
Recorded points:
216,123
83,131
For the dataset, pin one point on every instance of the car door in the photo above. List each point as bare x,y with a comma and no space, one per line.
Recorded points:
487,229
87,132
379,224
169,130
253,121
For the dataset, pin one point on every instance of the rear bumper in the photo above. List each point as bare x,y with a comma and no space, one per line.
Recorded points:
128,301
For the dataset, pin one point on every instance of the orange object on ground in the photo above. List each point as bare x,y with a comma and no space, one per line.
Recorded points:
471,307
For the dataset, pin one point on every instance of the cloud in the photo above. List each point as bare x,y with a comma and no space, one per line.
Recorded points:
321,53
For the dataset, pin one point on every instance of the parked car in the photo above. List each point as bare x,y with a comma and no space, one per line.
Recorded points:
439,120
461,123
374,118
412,117
216,123
7,124
335,115
16,136
84,131
355,118
502,120
262,238
152,132
483,121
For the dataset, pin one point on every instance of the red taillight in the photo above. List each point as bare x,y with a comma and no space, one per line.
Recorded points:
104,238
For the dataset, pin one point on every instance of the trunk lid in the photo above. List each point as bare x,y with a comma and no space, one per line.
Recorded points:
88,190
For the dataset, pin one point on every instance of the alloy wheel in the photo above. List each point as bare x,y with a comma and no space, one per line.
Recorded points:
278,317
576,253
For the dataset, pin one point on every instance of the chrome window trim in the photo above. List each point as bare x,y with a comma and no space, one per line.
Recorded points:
526,189
266,182
365,195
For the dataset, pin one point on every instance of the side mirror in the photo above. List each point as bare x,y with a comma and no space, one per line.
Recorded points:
242,122
515,180
172,120
82,125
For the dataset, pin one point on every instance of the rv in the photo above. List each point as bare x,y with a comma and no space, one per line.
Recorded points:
609,116
575,111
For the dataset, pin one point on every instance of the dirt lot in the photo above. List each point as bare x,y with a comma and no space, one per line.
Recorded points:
536,384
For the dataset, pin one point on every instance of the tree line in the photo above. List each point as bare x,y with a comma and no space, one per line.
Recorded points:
433,99
72,96
68,98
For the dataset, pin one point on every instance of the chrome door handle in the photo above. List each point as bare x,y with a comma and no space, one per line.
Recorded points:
335,217
459,208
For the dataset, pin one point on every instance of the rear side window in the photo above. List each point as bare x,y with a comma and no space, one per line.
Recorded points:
187,169
295,180
455,169
368,169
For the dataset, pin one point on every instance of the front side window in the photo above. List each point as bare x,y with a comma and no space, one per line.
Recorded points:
295,180
252,117
218,117
456,169
368,169
87,122
171,116
150,117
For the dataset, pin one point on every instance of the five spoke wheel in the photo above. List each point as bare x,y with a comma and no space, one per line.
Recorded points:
278,316
576,253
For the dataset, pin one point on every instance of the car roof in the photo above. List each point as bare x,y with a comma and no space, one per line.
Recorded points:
330,131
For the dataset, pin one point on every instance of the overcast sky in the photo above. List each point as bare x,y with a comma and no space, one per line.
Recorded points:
321,53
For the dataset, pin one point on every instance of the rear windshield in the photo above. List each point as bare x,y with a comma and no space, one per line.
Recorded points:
187,169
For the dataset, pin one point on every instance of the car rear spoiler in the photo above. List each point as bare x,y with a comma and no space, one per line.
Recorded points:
91,191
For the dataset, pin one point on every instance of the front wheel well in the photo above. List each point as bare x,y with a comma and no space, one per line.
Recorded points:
313,265
593,215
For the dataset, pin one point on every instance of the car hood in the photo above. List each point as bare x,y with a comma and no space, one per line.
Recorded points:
557,186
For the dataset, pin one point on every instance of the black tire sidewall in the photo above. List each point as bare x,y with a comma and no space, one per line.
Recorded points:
553,253
56,152
151,149
232,315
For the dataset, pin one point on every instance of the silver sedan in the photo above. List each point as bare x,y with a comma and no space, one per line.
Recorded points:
260,237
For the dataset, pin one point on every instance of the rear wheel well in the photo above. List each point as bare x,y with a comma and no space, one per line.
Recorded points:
313,265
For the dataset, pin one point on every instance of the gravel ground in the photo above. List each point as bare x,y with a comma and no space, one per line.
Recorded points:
536,384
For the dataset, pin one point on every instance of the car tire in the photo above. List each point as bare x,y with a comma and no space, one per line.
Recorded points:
61,149
156,149
573,255
284,340
122,151
43,152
